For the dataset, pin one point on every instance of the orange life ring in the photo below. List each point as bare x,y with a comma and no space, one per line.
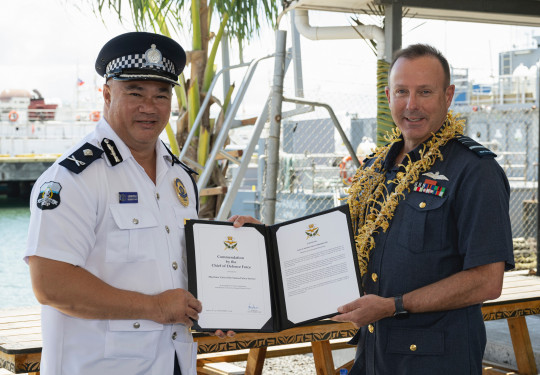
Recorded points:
94,116
13,116
345,168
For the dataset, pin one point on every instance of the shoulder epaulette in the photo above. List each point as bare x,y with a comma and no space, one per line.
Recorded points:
82,158
475,147
111,151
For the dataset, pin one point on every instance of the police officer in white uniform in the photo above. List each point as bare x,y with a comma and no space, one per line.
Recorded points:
106,244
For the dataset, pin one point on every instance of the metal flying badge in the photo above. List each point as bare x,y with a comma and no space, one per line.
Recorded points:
49,195
181,192
435,175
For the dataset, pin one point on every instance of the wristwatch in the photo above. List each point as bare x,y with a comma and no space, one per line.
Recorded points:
400,312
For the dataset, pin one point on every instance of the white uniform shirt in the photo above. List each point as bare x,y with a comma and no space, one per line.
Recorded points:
134,246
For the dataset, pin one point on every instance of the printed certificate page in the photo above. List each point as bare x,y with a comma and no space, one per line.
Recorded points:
232,277
317,266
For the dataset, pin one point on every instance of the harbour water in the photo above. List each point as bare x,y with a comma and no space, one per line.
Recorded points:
15,286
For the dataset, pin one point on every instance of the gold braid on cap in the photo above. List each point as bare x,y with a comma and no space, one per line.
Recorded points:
371,207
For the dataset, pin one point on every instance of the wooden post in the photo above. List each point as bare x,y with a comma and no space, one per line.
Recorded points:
522,345
255,361
322,354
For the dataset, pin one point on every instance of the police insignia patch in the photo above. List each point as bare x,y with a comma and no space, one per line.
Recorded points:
49,195
181,192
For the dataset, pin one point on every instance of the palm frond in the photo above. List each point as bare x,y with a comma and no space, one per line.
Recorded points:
246,15
385,124
144,13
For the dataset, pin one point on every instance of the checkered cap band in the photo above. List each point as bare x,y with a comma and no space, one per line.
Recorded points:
139,61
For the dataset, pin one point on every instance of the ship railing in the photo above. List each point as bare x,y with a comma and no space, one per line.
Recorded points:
21,116
505,89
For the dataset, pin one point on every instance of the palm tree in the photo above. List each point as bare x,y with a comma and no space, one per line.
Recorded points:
241,18
385,124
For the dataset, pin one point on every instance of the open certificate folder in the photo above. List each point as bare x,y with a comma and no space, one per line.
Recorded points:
269,278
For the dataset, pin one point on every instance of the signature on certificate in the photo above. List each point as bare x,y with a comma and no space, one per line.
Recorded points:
252,308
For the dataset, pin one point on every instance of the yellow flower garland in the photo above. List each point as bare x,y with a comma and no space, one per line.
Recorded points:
368,189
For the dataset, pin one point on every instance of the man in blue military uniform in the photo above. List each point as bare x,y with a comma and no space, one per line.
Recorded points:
106,245
432,231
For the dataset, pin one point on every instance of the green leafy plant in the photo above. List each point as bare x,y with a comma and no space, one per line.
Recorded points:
241,19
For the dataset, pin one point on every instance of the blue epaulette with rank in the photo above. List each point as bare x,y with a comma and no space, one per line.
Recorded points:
475,147
82,158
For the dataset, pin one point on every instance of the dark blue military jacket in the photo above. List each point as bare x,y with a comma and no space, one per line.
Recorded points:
454,218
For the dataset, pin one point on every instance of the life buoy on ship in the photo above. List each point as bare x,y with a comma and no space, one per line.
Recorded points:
346,169
13,116
94,116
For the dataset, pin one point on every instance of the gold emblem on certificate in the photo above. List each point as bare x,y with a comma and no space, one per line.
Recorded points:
230,244
312,231
181,192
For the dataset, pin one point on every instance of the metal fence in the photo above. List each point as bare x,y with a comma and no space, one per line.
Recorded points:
315,166
315,170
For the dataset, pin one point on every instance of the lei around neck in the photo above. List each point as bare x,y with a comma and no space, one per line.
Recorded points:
371,206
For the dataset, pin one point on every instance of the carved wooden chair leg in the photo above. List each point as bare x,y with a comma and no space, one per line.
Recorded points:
255,361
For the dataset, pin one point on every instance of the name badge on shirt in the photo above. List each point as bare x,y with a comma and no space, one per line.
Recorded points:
128,197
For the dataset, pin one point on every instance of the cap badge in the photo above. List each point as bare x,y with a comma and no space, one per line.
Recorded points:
153,57
181,192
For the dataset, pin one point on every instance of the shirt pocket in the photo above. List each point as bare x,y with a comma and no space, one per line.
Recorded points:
132,339
415,341
130,239
423,223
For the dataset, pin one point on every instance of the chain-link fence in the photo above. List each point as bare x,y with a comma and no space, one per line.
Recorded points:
511,131
315,167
